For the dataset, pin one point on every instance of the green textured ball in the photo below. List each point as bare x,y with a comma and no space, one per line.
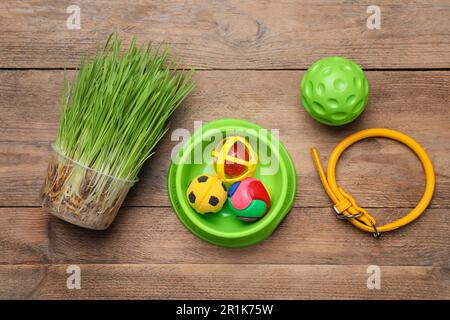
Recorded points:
334,91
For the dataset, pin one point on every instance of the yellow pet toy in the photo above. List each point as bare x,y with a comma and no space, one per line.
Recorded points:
234,159
206,194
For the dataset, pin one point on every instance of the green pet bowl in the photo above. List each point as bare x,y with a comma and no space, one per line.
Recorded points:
224,228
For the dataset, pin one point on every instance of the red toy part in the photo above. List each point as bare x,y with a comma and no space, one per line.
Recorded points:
233,169
253,189
234,159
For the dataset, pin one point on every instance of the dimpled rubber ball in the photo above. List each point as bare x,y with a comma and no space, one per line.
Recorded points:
207,194
334,91
249,199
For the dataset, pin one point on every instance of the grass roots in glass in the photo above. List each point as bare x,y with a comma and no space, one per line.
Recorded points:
114,113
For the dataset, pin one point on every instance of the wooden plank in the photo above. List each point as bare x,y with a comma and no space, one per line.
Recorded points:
24,235
232,34
214,281
154,235
412,102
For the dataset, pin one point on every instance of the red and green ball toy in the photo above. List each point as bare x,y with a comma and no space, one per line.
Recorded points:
249,199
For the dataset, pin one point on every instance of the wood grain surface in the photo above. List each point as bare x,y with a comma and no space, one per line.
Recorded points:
250,57
398,100
221,281
232,34
154,235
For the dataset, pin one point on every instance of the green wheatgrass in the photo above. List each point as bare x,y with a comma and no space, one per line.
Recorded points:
117,107
113,114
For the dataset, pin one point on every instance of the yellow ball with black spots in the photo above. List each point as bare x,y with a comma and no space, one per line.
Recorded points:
207,194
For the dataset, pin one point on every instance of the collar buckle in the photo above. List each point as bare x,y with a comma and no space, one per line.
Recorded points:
342,216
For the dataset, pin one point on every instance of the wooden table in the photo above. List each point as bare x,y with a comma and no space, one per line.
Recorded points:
250,57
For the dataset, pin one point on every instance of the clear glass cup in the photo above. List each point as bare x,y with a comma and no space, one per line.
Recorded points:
81,195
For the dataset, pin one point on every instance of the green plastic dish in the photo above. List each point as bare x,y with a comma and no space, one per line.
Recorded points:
223,228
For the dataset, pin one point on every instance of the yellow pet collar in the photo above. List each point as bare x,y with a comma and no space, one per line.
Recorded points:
346,207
